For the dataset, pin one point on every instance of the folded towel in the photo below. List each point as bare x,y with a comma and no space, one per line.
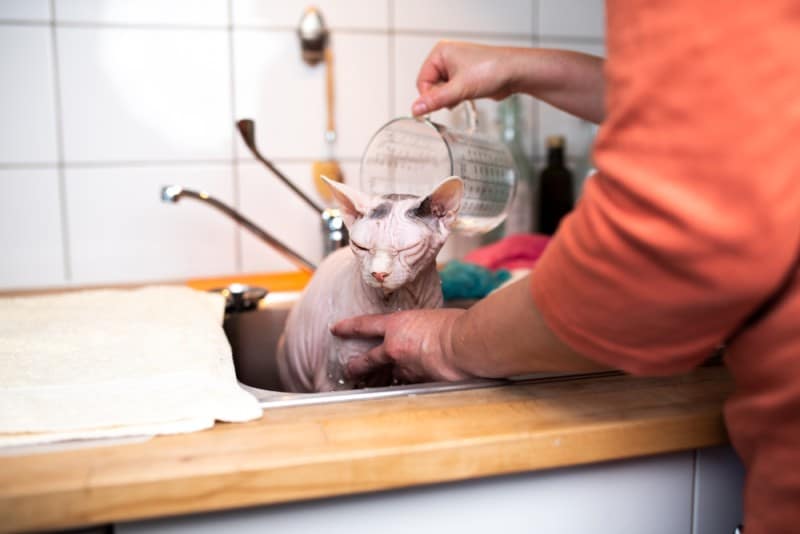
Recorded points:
518,251
114,363
469,281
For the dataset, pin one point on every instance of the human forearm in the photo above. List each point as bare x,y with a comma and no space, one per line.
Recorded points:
501,336
570,81
504,335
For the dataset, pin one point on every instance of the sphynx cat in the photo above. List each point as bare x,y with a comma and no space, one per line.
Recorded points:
390,266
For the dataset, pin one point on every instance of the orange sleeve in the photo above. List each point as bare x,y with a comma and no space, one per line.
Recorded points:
691,220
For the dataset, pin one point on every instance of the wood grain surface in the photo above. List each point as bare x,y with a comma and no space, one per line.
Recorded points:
308,452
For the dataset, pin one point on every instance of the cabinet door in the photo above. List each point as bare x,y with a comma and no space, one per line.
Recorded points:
652,495
719,479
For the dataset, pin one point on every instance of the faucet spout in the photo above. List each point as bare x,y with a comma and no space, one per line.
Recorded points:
247,128
173,193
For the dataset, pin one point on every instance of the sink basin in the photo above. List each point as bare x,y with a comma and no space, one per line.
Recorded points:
254,337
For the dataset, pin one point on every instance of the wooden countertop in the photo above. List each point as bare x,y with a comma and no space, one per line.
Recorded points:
318,451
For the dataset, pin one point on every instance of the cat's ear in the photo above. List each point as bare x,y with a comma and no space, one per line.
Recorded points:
352,202
443,202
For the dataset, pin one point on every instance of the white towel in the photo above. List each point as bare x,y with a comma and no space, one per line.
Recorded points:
113,363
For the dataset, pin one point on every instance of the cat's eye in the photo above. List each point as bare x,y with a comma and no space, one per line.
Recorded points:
359,247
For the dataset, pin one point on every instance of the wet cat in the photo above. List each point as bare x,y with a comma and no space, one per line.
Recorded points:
389,266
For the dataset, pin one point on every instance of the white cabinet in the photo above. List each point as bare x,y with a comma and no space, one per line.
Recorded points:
653,495
719,478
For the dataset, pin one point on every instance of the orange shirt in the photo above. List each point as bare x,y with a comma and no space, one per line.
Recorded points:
693,220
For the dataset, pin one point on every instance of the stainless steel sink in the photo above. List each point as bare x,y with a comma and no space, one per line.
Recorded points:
254,337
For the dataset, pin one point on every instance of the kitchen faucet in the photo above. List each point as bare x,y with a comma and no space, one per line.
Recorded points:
173,193
334,232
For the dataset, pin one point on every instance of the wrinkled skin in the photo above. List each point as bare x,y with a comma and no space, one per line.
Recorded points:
389,267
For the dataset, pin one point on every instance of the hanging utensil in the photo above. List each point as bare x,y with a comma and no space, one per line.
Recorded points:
329,167
247,129
313,36
315,47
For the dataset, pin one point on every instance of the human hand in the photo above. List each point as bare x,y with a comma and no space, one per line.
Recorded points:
455,71
417,344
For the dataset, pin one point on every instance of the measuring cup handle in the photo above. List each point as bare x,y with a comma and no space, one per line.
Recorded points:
472,116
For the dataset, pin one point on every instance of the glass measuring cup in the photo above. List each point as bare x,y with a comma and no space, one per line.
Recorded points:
412,155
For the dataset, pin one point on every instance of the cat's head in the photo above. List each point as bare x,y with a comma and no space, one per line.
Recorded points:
395,237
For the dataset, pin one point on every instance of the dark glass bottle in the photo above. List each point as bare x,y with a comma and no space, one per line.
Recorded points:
557,195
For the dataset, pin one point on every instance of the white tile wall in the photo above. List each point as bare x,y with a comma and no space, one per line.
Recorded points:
465,16
27,10
27,104
132,94
120,230
579,133
338,14
30,229
103,101
286,97
572,18
171,12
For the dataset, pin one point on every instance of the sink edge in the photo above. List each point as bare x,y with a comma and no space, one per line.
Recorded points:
277,399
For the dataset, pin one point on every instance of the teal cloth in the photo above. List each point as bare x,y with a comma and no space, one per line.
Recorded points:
462,280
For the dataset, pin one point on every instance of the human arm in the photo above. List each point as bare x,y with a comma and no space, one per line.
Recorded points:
691,219
455,71
502,335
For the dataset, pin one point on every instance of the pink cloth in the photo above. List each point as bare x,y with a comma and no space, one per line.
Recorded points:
518,251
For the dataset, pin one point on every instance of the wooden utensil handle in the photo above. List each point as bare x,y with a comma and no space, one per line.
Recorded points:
329,88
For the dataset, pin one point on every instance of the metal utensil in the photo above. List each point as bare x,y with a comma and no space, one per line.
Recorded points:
173,193
241,297
247,128
315,48
328,167
313,36
334,232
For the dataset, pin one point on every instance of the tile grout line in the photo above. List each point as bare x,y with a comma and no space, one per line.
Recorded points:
281,28
23,22
59,125
137,25
158,163
235,182
391,60
30,164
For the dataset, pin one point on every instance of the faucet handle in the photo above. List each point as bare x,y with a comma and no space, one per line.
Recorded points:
241,297
334,230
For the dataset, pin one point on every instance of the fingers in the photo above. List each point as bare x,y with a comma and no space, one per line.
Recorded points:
445,95
361,326
435,83
434,69
380,377
378,363
361,366
433,72
404,375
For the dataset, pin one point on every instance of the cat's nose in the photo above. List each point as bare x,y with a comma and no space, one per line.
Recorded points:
380,277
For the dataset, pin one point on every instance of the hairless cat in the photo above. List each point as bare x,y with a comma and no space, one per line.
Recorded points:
390,266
